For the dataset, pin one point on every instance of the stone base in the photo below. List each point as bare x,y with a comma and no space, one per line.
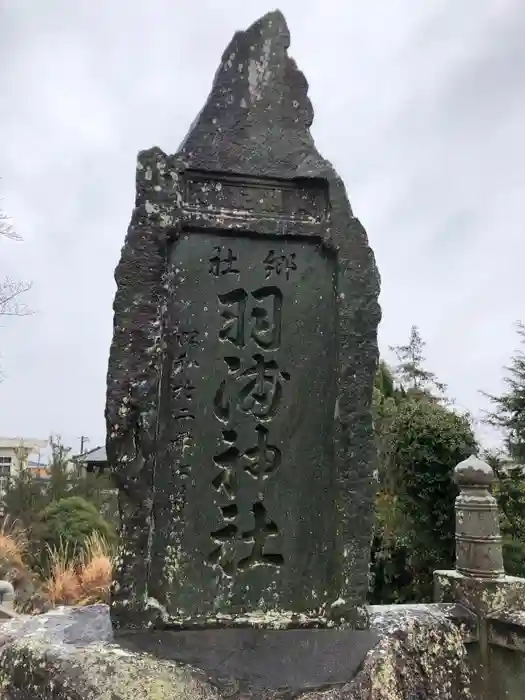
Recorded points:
480,595
71,654
338,615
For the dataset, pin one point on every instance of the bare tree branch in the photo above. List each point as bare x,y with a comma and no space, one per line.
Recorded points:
6,227
10,303
11,290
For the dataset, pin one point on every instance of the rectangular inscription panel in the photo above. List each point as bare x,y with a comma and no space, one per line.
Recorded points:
302,200
252,395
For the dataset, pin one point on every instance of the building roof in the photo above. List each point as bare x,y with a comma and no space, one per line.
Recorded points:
98,455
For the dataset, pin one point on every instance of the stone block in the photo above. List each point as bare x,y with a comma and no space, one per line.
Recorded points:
480,595
72,654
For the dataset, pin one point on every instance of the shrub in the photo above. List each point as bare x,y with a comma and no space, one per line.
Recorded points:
430,440
67,524
426,441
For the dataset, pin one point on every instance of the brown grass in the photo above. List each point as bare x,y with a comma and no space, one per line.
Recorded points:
83,580
96,570
80,580
13,543
13,551
62,586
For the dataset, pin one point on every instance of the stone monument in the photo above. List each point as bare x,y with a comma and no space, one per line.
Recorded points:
240,435
241,368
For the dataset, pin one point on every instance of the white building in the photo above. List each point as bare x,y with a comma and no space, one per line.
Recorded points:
17,451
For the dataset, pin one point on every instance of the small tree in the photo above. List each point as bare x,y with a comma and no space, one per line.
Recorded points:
430,440
68,523
96,488
385,400
509,490
508,414
61,477
415,379
24,497
415,525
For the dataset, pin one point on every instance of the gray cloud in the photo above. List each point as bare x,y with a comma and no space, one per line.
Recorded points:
419,106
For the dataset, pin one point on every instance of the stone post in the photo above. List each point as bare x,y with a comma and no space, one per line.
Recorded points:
478,582
479,586
478,540
7,600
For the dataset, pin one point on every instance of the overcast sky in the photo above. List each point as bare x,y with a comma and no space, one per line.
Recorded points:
419,105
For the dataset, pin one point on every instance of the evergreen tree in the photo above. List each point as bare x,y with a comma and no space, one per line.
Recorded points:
509,407
509,490
385,400
414,378
508,416
24,496
61,475
420,441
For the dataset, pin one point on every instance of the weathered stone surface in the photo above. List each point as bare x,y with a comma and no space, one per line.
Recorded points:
506,628
480,595
67,654
421,655
478,540
499,643
70,654
242,366
506,639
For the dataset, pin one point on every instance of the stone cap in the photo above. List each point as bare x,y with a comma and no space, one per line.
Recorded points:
473,472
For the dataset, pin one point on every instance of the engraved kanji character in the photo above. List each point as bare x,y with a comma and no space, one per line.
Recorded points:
222,265
232,307
226,461
182,396
278,263
266,330
261,388
263,458
263,529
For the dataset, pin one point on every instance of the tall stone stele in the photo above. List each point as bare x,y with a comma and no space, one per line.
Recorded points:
242,367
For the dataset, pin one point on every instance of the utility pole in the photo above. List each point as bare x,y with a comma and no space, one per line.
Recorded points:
83,440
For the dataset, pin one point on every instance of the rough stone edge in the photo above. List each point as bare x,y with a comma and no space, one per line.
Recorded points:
420,654
506,628
482,596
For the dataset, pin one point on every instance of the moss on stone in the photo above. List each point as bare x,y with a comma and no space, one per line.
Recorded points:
70,654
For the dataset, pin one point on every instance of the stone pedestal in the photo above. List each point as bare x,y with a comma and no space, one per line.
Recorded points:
480,587
482,596
71,654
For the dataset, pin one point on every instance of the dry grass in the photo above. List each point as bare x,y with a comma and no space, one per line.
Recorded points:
62,586
72,580
96,570
13,550
83,580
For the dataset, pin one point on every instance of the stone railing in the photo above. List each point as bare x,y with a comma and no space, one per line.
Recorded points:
487,605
